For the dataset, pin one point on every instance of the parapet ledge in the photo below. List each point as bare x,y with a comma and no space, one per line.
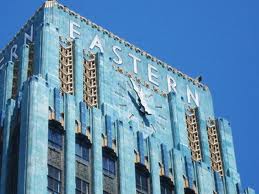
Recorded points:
132,47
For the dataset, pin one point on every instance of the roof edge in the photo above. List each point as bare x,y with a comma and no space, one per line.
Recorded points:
52,3
22,28
131,46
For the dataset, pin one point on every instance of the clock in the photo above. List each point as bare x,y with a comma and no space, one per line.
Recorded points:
142,98
142,101
140,106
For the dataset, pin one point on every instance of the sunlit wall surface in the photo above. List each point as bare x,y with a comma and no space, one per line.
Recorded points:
84,111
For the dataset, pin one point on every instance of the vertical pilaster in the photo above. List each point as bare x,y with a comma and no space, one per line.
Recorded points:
78,66
7,84
96,128
23,69
49,66
165,159
126,159
205,179
50,45
2,90
230,185
101,78
155,175
178,171
177,117
57,104
45,40
227,149
108,126
37,62
140,141
83,117
69,107
189,170
218,183
6,143
203,136
33,149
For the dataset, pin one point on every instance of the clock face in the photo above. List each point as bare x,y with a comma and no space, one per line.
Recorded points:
140,106
142,98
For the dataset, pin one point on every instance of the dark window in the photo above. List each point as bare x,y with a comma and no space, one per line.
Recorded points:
189,191
141,182
109,166
82,151
31,58
166,190
140,192
166,185
55,138
54,180
82,187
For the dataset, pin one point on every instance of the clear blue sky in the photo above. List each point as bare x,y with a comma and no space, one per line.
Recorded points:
216,39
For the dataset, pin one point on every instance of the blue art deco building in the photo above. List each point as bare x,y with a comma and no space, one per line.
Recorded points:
83,111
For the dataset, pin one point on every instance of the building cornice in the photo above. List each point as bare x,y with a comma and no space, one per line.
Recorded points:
53,3
131,46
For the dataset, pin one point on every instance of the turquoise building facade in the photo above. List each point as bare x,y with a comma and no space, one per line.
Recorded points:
84,111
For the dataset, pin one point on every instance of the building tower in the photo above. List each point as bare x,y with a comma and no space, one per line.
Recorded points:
83,111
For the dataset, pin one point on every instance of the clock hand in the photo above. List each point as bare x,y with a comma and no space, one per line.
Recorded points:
144,102
136,89
141,98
